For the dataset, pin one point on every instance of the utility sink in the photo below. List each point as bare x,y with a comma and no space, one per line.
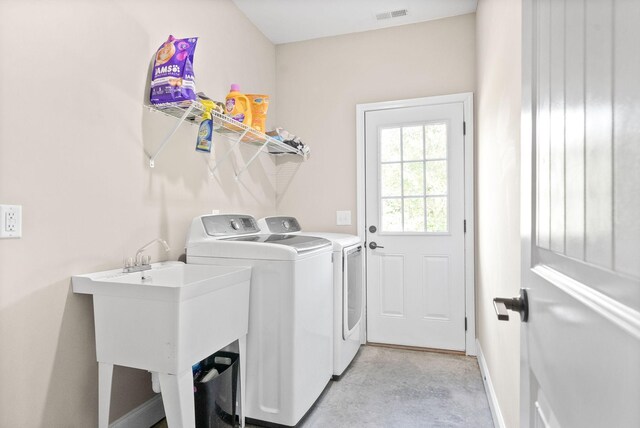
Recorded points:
169,317
164,320
164,281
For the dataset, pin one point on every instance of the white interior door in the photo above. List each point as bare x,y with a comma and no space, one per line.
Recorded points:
414,188
581,213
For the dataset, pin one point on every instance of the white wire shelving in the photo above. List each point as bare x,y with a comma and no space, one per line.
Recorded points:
191,112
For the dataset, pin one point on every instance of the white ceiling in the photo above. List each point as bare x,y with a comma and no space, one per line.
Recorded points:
284,21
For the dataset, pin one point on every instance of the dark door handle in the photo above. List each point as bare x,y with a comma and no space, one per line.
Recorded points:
373,245
517,304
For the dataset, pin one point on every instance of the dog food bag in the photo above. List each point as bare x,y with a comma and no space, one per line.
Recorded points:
172,79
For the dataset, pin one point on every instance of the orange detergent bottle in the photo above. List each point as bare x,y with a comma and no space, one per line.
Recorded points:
237,106
259,107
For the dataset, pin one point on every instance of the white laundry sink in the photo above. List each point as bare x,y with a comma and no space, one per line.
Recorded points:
169,317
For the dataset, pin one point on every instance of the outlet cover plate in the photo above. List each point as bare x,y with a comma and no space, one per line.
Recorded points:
10,221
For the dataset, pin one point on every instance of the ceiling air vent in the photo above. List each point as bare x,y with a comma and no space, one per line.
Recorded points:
393,14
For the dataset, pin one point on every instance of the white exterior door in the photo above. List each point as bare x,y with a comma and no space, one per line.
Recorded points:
415,226
581,213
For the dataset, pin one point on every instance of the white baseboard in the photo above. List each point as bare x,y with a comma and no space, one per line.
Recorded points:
498,420
145,415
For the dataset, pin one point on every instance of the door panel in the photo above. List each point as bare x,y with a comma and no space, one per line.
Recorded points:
574,132
391,285
581,232
626,131
435,300
415,200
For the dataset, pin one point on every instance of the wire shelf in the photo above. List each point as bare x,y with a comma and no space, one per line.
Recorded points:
192,111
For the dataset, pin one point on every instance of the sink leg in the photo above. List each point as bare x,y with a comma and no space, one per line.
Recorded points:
105,376
242,349
177,397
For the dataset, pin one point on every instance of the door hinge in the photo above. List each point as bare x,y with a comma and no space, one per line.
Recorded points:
465,323
465,226
464,128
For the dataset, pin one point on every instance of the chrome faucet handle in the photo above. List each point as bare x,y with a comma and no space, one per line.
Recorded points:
162,242
140,263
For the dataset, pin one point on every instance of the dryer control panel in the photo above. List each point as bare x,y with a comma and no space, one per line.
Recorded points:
281,224
229,224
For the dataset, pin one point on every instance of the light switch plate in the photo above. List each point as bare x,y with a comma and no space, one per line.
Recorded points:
10,221
343,218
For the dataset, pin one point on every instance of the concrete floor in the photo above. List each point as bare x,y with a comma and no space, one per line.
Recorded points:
386,387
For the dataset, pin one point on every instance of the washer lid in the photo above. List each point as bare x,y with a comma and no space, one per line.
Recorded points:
299,243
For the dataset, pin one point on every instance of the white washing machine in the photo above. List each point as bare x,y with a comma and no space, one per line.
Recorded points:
289,342
348,288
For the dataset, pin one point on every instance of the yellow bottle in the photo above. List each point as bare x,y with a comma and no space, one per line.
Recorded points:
237,106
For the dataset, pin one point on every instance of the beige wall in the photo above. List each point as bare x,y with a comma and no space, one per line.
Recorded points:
498,38
73,134
319,83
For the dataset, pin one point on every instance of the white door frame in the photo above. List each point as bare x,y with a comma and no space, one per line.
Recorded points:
469,242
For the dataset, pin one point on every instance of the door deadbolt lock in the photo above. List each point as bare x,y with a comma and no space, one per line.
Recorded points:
373,229
517,304
373,245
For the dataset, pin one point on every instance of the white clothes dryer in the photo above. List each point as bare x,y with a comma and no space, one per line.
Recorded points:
289,341
348,287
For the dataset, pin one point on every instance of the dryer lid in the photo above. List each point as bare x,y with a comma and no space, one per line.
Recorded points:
299,243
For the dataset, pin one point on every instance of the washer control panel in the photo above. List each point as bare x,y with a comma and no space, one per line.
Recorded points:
229,224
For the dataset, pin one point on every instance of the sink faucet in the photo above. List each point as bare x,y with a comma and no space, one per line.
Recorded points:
141,263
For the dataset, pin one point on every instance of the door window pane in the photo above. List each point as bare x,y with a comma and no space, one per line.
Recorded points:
435,136
414,215
412,143
413,179
392,215
437,214
390,145
390,180
436,177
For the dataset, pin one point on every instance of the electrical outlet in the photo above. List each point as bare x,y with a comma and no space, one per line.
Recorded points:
10,221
